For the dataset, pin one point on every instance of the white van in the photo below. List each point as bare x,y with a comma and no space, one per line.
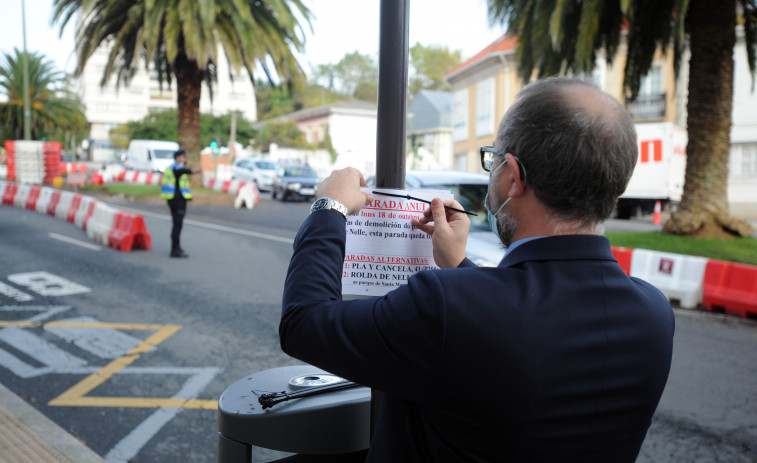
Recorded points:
150,155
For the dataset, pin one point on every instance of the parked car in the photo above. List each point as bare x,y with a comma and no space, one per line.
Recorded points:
483,247
260,171
295,182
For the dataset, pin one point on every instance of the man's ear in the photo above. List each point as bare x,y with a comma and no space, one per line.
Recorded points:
519,185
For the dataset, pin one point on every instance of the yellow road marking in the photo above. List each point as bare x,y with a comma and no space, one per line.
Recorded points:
76,396
20,324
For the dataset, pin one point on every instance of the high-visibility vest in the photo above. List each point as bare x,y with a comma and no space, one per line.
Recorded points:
168,185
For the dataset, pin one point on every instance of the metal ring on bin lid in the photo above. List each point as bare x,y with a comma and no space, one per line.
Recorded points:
318,379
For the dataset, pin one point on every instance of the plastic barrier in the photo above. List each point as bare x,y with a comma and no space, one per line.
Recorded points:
4,186
623,255
731,288
76,179
19,200
75,203
245,197
129,230
53,204
45,195
31,199
64,205
677,276
86,208
101,223
10,194
234,187
211,182
225,186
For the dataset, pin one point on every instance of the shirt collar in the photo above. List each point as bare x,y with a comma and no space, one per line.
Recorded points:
521,241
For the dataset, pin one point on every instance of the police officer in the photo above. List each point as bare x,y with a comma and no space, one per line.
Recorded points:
174,187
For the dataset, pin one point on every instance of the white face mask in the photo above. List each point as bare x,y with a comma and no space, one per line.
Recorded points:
504,235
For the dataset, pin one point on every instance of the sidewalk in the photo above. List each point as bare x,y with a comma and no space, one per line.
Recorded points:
27,436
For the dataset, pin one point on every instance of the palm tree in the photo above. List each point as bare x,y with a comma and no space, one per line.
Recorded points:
181,38
565,35
54,107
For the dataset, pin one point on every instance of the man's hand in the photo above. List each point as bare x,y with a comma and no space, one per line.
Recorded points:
344,186
449,233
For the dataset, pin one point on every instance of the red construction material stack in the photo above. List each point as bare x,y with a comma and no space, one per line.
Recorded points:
10,160
129,231
731,288
51,153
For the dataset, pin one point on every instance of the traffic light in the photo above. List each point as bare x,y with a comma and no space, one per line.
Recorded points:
213,144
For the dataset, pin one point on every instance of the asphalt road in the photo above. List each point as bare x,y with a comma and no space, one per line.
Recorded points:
213,319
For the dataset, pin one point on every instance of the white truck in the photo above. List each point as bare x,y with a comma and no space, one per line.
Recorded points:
150,155
660,170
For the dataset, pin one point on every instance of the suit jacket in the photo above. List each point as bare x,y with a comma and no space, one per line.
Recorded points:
554,355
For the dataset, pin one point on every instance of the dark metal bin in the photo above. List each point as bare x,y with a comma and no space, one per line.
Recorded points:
336,423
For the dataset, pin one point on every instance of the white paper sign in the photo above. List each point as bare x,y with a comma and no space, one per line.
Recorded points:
383,248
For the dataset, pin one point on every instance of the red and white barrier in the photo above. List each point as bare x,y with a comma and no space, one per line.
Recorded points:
246,193
677,276
102,223
43,201
64,204
19,200
731,288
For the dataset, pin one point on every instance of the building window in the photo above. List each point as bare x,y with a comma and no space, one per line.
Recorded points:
460,115
461,161
651,84
485,107
599,73
746,167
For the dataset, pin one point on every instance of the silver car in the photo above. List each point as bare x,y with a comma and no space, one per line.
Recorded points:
260,171
483,247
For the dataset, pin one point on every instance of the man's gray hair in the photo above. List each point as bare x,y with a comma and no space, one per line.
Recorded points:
577,144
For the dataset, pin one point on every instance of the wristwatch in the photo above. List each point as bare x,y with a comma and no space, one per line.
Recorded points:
328,203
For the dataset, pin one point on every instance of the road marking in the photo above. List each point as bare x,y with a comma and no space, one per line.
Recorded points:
212,226
83,244
41,350
47,284
77,396
47,311
15,294
106,343
130,445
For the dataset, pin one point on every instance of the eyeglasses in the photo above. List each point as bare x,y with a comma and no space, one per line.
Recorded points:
487,159
487,156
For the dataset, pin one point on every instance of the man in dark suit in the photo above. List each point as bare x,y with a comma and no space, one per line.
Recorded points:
554,355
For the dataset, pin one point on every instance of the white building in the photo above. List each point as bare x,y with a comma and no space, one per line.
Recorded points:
107,107
351,125
742,171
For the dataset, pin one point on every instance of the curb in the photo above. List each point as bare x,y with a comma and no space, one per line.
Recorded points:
26,435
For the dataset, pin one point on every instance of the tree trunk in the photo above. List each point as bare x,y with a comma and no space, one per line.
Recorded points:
189,78
704,206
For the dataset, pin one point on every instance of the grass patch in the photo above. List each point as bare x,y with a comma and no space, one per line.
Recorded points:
134,190
742,250
206,191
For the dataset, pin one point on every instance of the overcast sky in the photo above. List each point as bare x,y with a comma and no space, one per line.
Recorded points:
338,27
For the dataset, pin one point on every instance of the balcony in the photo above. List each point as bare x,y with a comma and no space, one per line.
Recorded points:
647,107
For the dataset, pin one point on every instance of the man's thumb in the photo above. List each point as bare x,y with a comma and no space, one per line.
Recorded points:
437,211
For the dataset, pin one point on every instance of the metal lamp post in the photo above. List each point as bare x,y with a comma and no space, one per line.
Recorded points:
27,106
